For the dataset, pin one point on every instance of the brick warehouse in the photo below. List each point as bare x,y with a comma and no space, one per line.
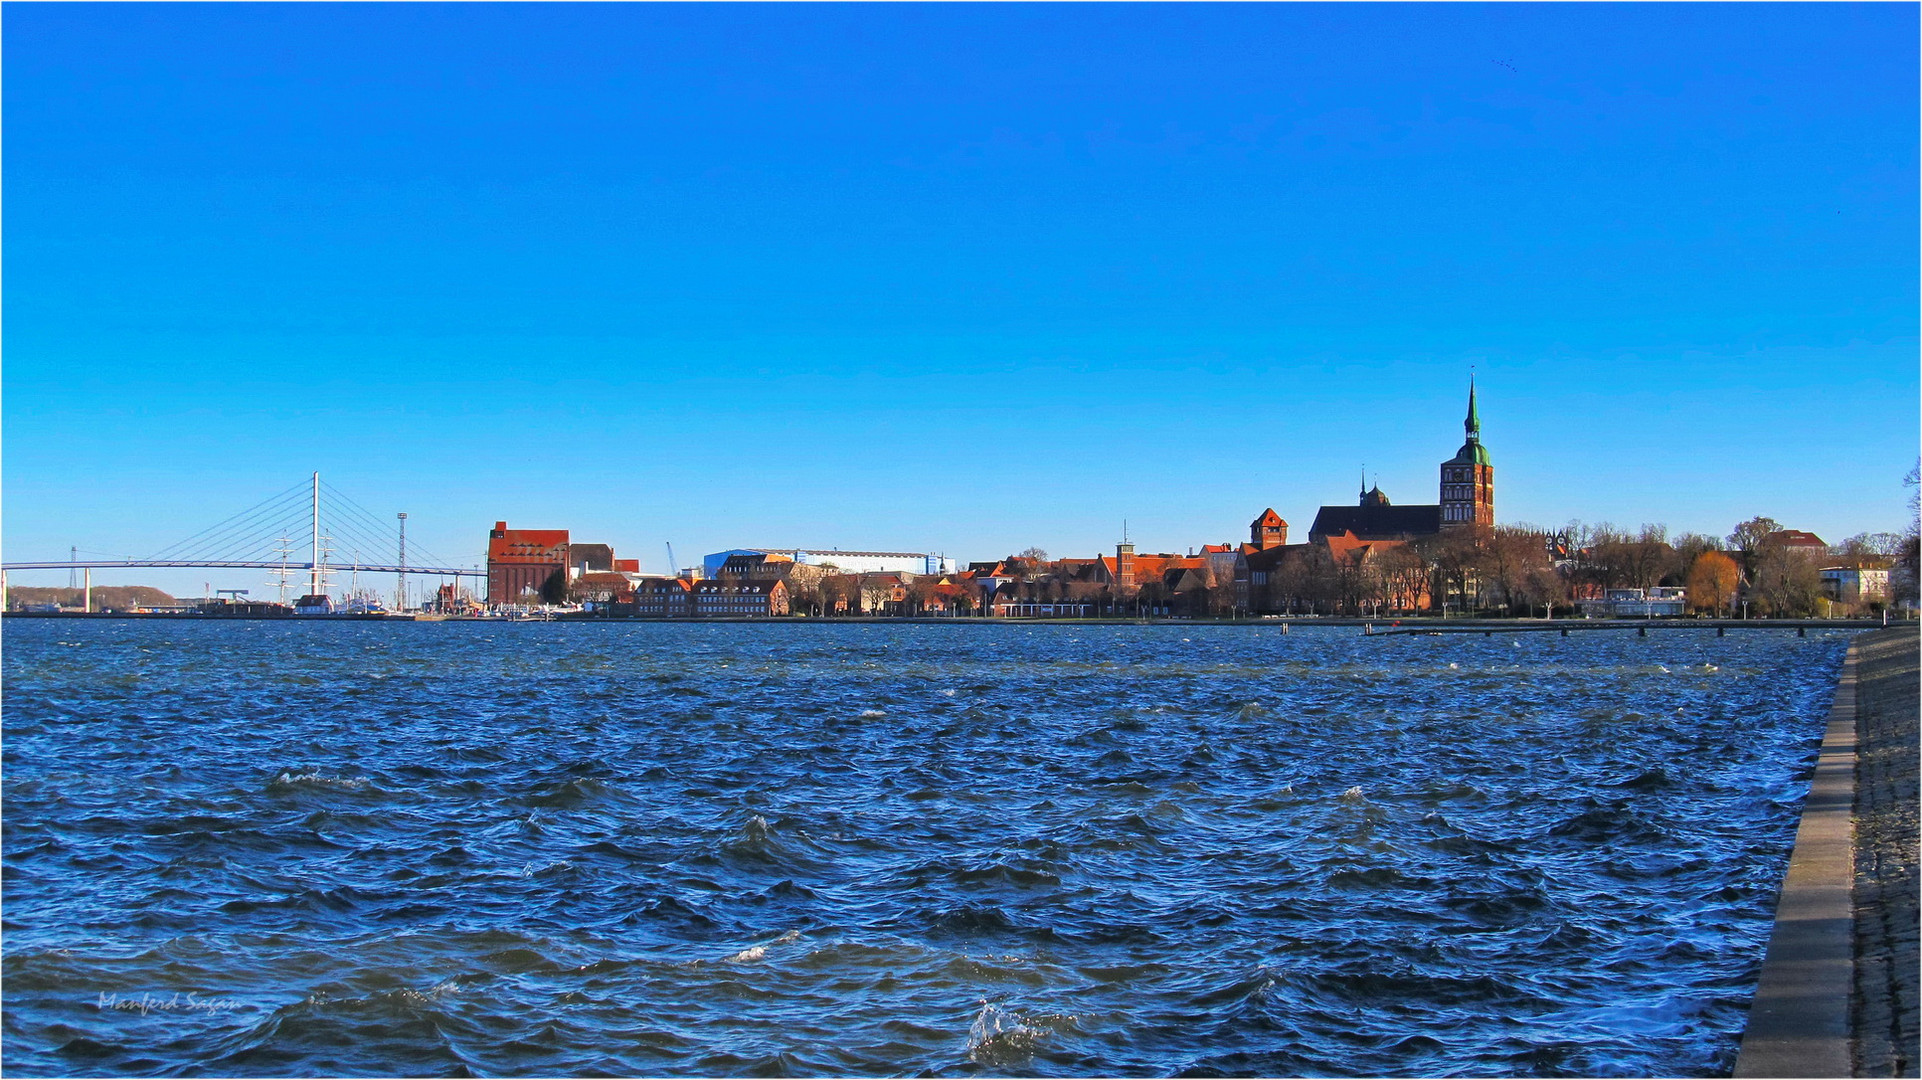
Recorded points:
525,565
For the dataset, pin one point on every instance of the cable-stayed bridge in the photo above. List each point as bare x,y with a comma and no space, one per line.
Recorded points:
304,536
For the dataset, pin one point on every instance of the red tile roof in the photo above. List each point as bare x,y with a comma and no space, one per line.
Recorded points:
1796,538
507,545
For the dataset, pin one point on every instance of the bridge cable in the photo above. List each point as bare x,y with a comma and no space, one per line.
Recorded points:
367,515
223,531
263,546
241,534
224,522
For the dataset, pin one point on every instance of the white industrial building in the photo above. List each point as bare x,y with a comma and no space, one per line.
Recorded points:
848,562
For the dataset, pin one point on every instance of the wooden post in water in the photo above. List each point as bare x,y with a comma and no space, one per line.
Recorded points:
87,590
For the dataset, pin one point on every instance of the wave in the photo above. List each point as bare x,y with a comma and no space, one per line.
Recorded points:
999,1039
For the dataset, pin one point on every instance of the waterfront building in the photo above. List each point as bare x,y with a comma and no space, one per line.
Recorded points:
1857,581
535,566
315,604
847,562
523,565
663,598
598,589
1212,581
1659,602
585,559
725,598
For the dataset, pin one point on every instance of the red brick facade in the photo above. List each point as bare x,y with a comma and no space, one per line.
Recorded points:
522,562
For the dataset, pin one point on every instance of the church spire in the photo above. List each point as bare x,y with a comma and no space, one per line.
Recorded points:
1473,425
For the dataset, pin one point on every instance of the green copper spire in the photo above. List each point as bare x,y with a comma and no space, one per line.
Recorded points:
1472,451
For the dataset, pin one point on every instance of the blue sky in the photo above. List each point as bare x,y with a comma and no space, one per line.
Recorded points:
952,277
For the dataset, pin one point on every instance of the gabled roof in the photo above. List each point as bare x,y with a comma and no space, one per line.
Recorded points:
1268,520
1273,557
1348,545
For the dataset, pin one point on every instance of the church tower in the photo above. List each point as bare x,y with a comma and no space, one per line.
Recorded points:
1467,479
1268,531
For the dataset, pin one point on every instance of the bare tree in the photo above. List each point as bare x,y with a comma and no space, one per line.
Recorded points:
842,593
1404,575
1512,553
1689,546
920,592
1305,579
1785,580
1880,545
1647,558
876,591
1906,582
1747,539
1546,586
1458,565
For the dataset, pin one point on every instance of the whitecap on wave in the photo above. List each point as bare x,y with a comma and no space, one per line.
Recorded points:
320,779
754,953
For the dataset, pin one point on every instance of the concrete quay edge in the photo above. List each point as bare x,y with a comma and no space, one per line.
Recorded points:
1799,1024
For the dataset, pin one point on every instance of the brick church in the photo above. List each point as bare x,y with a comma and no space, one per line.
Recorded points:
1467,500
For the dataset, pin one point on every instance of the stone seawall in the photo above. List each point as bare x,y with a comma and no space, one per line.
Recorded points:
1888,701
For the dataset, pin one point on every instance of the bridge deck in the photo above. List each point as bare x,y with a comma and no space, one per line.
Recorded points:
197,564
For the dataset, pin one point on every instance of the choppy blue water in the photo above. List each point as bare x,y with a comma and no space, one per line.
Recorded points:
263,848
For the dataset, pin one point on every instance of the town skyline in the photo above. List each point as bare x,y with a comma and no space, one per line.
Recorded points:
968,280
340,554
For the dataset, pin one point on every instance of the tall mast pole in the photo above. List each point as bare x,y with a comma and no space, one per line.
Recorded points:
400,601
313,578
